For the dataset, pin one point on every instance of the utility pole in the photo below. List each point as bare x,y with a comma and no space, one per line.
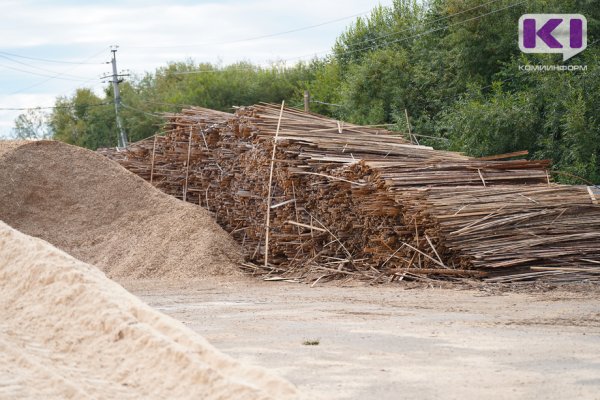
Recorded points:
117,94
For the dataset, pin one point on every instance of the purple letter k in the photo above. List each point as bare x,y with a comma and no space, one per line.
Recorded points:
545,33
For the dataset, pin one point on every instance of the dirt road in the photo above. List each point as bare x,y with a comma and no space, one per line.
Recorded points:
391,343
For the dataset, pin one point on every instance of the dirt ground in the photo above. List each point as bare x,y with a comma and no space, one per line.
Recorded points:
396,342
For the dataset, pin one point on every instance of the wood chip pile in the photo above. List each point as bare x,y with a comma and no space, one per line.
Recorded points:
362,202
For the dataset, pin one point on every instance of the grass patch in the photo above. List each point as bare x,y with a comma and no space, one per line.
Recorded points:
311,342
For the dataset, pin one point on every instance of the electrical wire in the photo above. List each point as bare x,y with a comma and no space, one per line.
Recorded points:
162,103
403,39
325,52
39,68
430,22
57,76
79,79
53,107
270,35
48,60
206,71
142,111
512,78
325,103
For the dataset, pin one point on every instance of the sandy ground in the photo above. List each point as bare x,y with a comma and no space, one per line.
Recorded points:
391,343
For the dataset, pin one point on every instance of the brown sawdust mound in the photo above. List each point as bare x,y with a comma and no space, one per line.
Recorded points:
69,332
100,213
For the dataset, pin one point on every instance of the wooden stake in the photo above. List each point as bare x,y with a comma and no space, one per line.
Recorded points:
268,219
187,166
153,153
306,101
206,196
296,210
410,135
417,239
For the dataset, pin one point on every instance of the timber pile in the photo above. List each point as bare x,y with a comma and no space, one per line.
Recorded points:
508,233
353,201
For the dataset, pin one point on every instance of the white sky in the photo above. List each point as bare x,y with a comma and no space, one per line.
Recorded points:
150,33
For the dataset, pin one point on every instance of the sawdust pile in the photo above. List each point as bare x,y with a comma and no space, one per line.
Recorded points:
67,331
100,213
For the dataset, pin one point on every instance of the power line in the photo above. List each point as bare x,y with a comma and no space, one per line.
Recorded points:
208,71
295,30
53,107
258,37
403,39
593,43
57,76
512,78
44,75
48,60
142,111
414,36
168,104
38,68
325,103
430,22
254,68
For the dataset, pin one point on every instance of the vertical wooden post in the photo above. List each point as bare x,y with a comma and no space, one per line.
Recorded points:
268,218
417,245
153,154
306,101
409,130
187,166
206,196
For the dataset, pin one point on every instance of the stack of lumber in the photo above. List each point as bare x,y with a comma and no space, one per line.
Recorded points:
354,201
530,231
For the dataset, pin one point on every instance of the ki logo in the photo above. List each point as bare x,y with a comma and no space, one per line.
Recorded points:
553,33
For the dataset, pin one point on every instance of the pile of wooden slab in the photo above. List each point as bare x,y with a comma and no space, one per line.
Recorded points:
351,201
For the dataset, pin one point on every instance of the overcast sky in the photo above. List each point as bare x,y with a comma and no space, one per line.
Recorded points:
149,33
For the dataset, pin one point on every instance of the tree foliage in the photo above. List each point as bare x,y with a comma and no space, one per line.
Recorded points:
83,120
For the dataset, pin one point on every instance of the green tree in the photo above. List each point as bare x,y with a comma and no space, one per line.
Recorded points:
84,120
499,123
